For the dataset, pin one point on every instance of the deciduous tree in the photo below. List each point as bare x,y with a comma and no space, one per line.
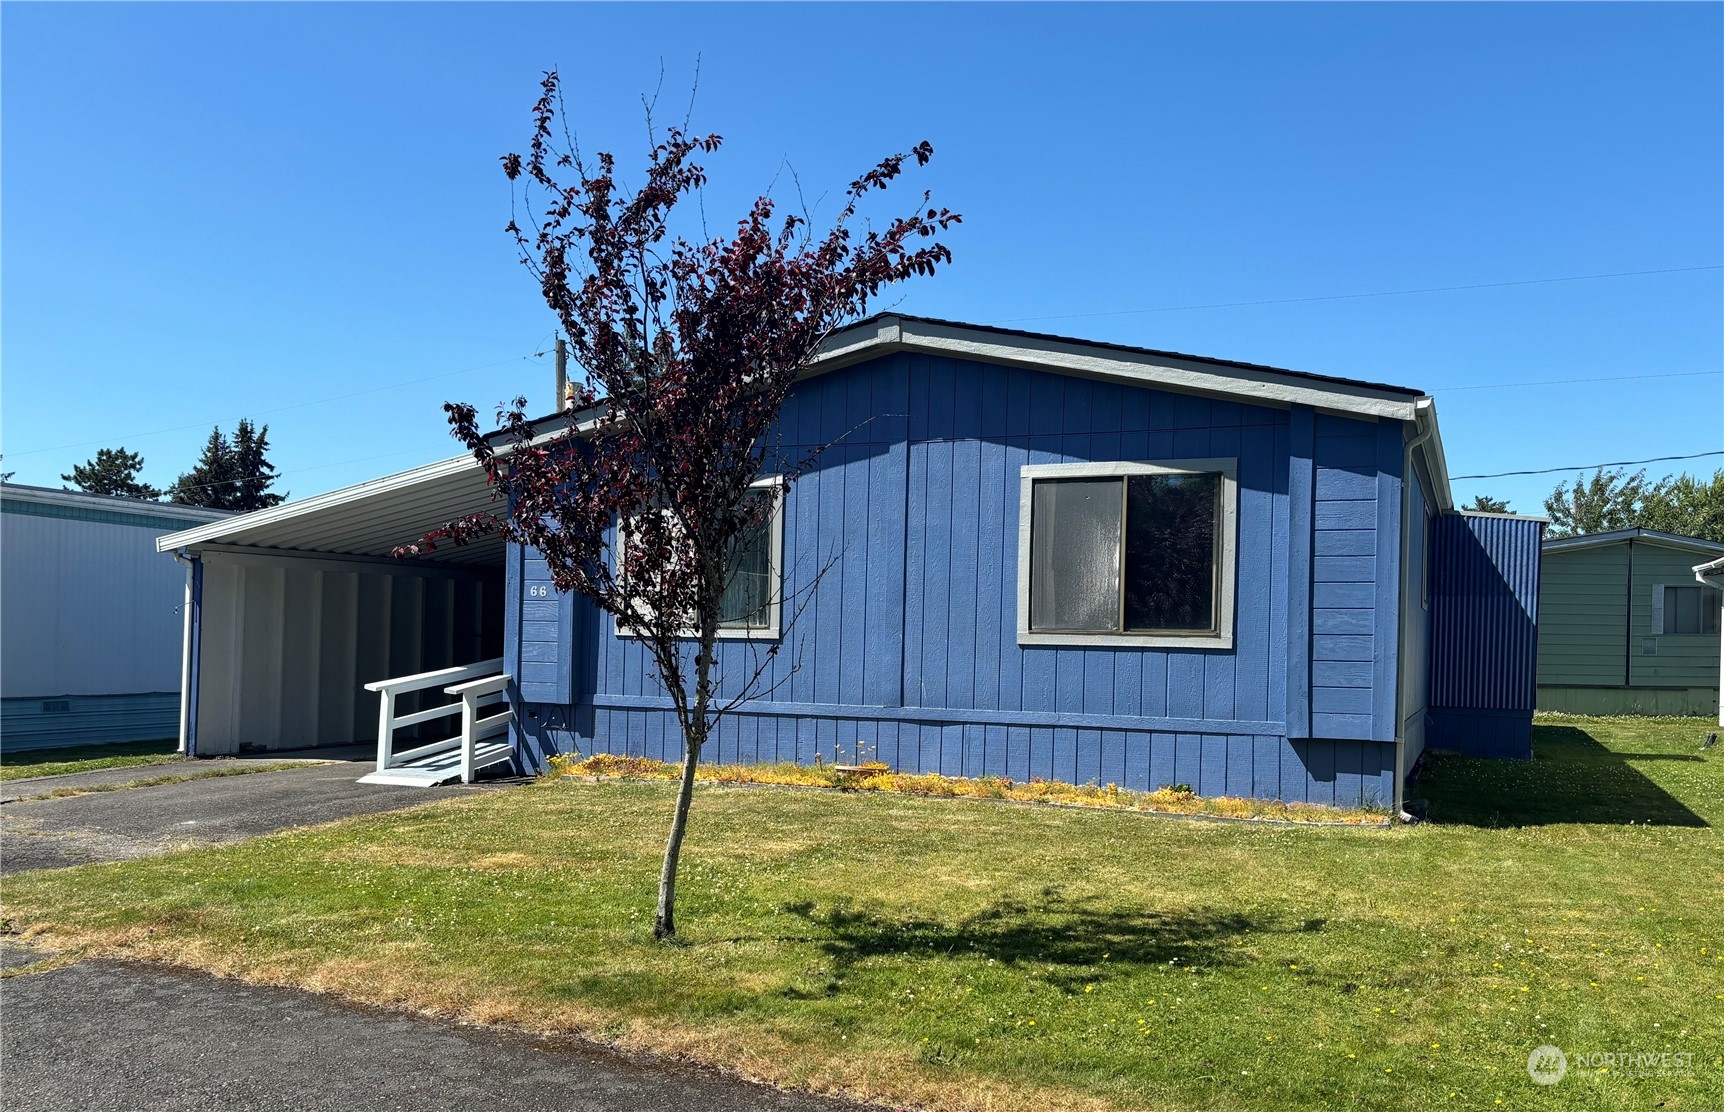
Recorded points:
688,349
1485,504
1607,501
1688,506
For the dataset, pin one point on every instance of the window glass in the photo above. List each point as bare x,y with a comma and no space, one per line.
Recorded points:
1170,551
1074,554
1690,609
747,601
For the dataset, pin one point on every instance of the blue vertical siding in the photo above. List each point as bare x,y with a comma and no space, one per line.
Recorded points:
906,648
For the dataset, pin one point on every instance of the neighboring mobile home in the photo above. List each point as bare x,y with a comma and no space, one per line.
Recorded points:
1049,558
1624,627
91,617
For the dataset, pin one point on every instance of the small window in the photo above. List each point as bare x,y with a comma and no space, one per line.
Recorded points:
1127,553
750,605
1691,609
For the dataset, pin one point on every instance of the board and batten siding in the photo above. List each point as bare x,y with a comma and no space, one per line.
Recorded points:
906,650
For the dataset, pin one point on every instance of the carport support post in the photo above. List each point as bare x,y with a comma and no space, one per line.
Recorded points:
190,644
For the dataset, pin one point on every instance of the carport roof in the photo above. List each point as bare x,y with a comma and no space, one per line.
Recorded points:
368,519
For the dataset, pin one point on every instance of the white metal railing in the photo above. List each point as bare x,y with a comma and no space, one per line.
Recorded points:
477,687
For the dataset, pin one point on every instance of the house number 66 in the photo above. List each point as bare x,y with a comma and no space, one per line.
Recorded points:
539,590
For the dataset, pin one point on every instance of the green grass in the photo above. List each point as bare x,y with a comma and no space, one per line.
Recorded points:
966,954
18,763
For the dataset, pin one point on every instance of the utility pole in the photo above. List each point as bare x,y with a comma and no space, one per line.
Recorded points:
562,376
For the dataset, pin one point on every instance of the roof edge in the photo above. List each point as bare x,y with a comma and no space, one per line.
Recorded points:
118,503
287,511
1616,536
891,332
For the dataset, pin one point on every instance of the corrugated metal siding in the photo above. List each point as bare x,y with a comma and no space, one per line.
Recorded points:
1484,620
88,720
91,608
1484,633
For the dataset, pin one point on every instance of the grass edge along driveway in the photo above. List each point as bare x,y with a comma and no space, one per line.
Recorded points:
956,954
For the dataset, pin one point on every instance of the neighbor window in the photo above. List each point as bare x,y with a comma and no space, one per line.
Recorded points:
1690,609
750,604
1127,553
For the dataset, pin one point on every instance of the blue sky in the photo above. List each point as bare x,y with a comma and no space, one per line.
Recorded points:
295,212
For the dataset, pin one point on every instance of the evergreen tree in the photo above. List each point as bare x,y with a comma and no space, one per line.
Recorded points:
253,473
231,474
114,471
210,479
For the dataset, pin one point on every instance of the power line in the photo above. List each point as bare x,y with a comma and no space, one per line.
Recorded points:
1569,381
282,408
1590,466
1375,293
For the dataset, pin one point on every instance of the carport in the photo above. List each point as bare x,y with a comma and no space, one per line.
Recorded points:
292,611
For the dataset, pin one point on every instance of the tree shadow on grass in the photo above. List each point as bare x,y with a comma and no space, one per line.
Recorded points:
1572,778
1071,941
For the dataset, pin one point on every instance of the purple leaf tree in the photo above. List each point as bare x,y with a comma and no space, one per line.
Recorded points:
685,351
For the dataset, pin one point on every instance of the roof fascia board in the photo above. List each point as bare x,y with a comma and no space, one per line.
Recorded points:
1645,536
1431,451
215,532
13,492
1505,517
1267,387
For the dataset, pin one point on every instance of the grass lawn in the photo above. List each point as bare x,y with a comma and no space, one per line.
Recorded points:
18,763
967,954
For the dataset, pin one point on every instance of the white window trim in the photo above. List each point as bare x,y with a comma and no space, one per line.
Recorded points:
1219,638
775,599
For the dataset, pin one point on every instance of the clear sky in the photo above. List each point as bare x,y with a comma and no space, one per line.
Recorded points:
295,212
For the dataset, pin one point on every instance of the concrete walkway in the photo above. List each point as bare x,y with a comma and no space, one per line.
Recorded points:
110,1037
137,822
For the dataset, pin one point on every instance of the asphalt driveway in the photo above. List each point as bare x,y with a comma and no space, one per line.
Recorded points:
134,822
112,1037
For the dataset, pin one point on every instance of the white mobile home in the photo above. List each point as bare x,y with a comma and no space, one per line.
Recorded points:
91,617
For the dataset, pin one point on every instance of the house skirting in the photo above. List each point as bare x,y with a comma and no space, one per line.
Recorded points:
1680,701
48,723
1260,765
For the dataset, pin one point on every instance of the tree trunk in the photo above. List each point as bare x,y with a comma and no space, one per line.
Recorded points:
664,920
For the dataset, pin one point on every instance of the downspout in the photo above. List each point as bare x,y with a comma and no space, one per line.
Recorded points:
189,663
1408,477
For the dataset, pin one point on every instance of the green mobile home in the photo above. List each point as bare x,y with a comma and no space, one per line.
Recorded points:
1624,628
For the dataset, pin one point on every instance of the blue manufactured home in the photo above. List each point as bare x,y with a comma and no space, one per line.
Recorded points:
1044,557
